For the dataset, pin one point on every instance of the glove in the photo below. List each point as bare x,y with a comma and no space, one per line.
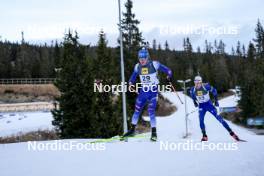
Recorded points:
216,103
169,79
217,110
195,104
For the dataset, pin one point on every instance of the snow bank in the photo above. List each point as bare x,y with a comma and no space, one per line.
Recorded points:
141,157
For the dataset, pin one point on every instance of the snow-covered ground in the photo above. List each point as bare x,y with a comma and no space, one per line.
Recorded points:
141,157
22,122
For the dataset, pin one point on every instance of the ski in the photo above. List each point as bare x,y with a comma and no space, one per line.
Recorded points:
106,140
119,138
136,136
153,139
241,140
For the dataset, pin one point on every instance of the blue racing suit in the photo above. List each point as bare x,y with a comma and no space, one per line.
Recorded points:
148,77
202,96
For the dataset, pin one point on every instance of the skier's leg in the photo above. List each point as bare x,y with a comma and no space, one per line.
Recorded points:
213,111
152,115
223,122
140,102
152,111
202,112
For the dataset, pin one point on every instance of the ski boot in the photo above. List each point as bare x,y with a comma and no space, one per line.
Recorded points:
204,138
234,136
153,134
130,133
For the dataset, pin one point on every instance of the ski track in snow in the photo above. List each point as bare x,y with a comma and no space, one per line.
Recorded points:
145,158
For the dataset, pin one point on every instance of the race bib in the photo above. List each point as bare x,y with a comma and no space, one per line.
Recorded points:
202,98
149,79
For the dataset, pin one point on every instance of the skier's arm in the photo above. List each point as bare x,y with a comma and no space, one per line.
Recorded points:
134,75
165,69
193,97
214,92
158,66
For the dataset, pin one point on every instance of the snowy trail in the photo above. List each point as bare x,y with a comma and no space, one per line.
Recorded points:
146,158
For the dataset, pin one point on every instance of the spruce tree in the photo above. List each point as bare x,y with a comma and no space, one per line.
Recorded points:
132,37
259,40
166,46
188,46
232,51
208,47
154,45
57,55
74,116
251,51
198,50
221,47
107,108
243,51
238,49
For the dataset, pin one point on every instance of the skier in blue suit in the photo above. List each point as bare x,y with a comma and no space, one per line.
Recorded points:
201,98
147,70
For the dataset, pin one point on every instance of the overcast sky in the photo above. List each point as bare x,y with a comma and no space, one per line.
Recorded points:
46,20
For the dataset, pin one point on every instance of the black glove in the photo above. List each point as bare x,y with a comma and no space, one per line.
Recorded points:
216,102
195,104
169,79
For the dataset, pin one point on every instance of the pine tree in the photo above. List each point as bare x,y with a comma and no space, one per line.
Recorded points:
216,51
251,51
208,47
107,111
238,49
221,47
5,61
154,45
198,50
75,116
184,45
132,37
57,55
166,46
259,40
159,47
220,73
232,51
243,51
188,46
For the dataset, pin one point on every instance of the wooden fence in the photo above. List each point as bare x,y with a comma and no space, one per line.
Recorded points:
27,81
20,107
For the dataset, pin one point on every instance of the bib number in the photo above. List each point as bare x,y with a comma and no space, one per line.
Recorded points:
149,79
203,98
146,79
200,98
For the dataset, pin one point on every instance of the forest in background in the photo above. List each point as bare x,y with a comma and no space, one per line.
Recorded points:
80,65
